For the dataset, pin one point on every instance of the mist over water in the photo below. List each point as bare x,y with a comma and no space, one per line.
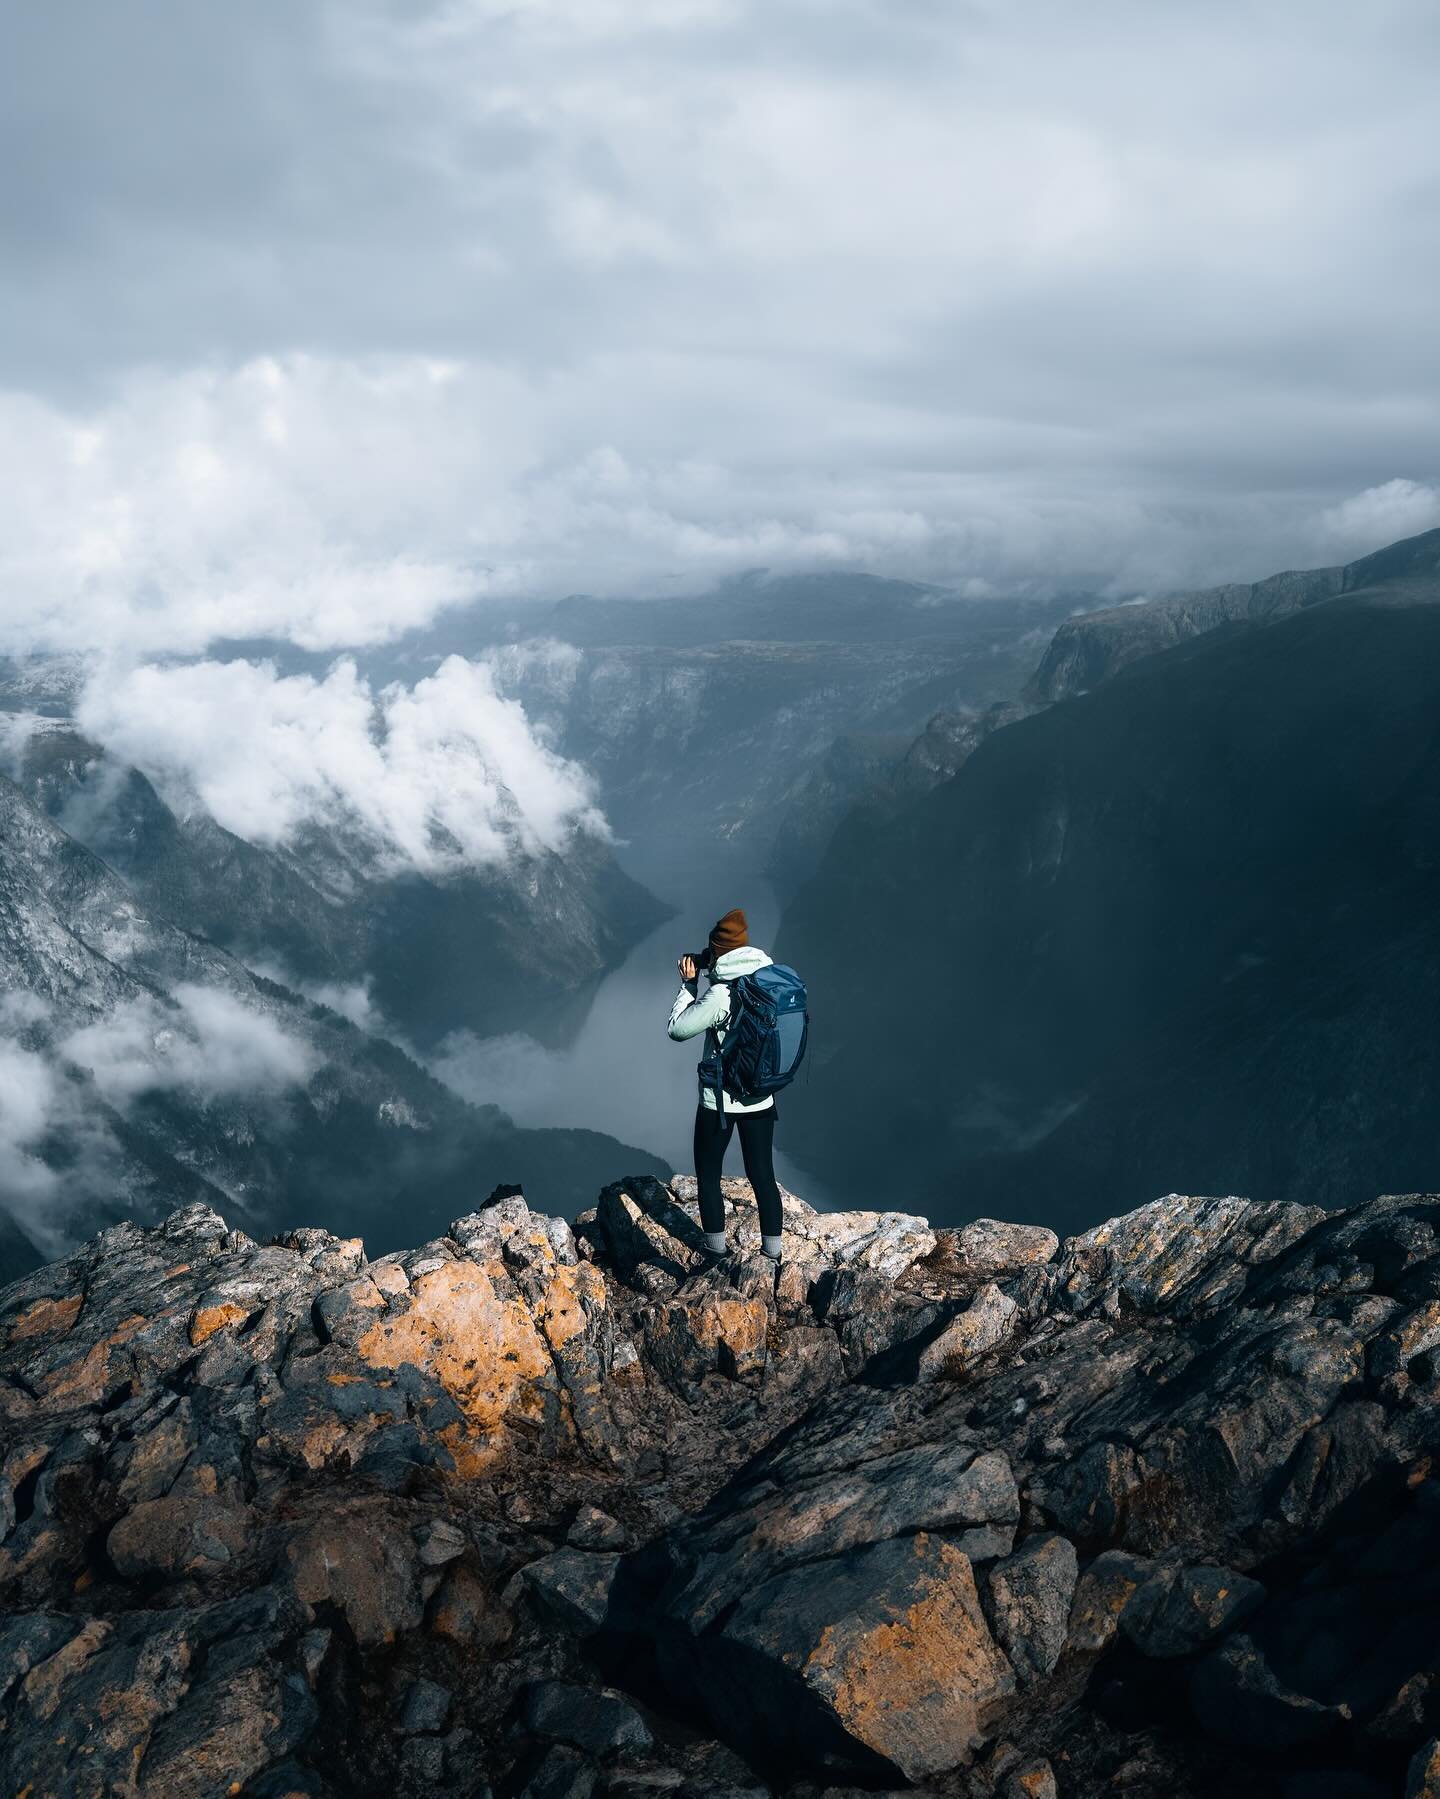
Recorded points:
622,1074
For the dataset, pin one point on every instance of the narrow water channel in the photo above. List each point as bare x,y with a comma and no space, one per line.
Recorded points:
622,1074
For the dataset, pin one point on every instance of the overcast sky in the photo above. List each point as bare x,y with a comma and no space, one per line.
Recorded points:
316,317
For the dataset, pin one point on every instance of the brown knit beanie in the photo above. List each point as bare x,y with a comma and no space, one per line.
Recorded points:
731,932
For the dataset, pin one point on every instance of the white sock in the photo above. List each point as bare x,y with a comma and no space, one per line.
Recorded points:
715,1240
771,1246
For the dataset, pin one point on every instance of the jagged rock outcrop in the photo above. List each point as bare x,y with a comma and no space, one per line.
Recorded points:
534,1510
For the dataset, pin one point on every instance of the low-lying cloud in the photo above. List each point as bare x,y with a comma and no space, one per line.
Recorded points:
58,1151
29,1090
209,1043
1381,515
443,774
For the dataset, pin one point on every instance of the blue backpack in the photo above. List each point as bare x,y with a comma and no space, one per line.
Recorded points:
765,1036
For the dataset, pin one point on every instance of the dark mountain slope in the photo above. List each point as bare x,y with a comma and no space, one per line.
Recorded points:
1092,648
1182,930
168,1072
491,950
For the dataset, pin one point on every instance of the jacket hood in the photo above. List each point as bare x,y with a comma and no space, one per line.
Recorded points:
736,962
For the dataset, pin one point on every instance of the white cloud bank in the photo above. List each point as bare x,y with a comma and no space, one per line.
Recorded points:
1381,515
319,501
444,774
212,1045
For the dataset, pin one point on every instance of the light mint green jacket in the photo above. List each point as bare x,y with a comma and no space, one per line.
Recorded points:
689,1016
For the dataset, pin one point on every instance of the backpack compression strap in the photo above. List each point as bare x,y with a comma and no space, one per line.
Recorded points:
732,1018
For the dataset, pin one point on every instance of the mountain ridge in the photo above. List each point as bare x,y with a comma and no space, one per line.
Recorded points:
1136,915
1096,646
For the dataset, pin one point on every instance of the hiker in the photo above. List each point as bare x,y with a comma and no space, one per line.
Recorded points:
755,1037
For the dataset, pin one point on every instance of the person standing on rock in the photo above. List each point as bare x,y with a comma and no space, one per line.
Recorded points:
727,957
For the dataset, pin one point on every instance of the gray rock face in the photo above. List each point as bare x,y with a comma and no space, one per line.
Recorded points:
1029,1604
436,953
591,1524
1178,1611
602,1724
663,714
990,1247
572,1587
1095,647
980,1328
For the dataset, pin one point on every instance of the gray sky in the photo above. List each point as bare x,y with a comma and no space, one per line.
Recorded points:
318,317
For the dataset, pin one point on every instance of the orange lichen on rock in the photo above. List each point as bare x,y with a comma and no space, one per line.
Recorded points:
42,1684
47,1317
573,1295
209,1319
481,1348
85,1382
22,1460
912,1687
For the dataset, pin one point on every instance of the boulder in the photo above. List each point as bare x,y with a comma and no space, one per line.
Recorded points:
177,1536
1102,1593
989,1247
982,1326
594,1529
877,1330
561,1773
439,1541
425,1707
365,1565
707,1330
1422,1777
572,1587
1087,1495
469,1613
802,1361
1178,1611
603,1724
885,1650
946,1488
643,1226
1033,1779
1029,1596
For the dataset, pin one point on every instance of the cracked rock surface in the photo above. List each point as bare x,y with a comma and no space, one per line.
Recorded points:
536,1510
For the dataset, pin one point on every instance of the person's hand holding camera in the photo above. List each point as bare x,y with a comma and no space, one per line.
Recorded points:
688,970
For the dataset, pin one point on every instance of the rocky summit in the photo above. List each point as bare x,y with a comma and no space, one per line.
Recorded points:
557,1511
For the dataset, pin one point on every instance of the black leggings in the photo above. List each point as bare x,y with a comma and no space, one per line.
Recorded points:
757,1146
